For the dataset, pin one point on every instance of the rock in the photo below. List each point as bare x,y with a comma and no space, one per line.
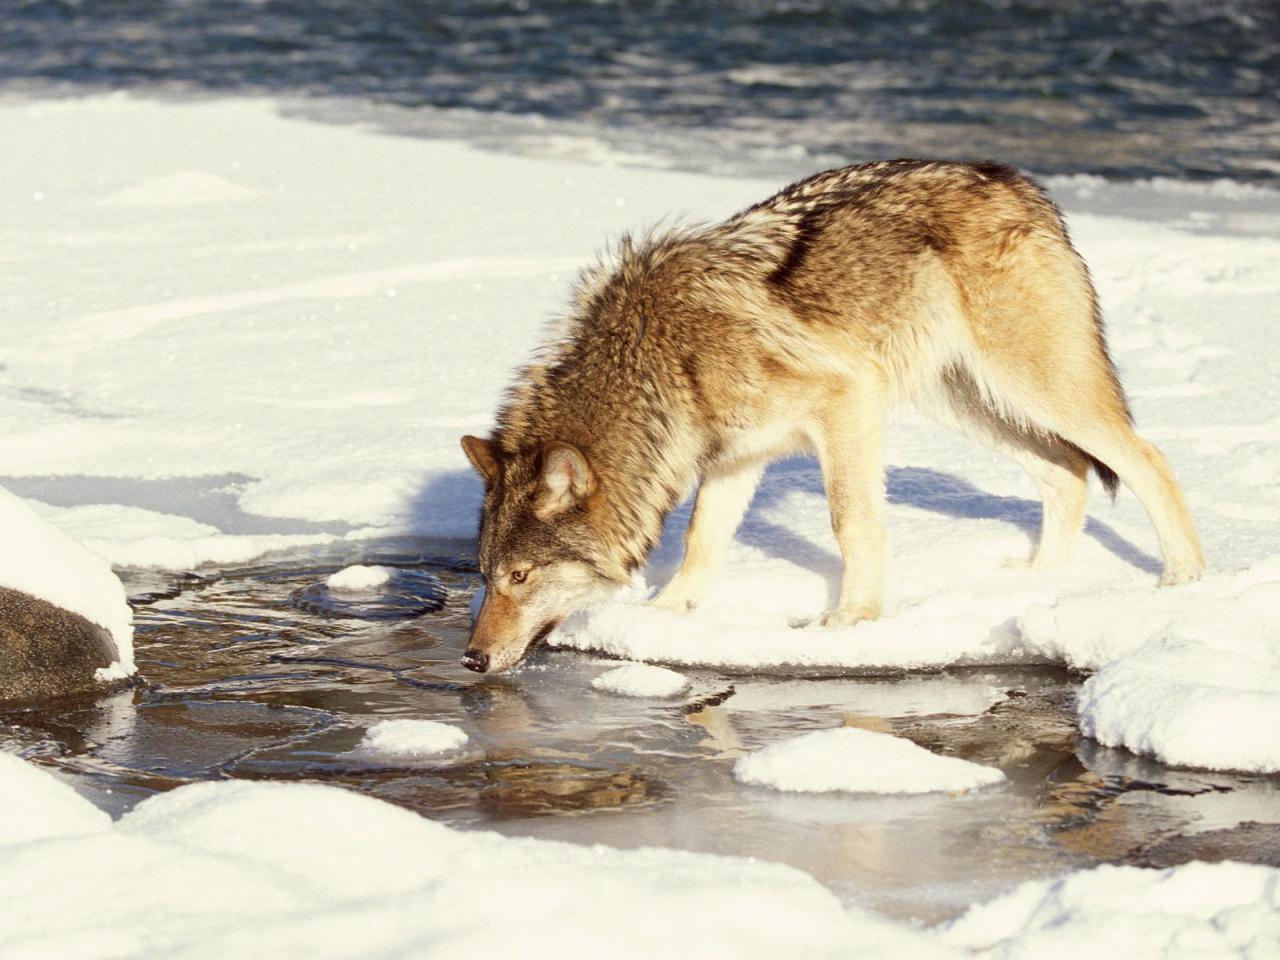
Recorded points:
46,651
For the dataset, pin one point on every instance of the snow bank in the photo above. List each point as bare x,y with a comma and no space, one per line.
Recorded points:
41,560
358,578
1197,910
38,805
262,869
938,631
412,738
858,761
641,680
137,537
1191,677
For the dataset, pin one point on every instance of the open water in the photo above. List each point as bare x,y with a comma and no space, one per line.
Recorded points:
1121,88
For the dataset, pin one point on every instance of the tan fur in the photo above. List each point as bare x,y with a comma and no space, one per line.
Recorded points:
701,354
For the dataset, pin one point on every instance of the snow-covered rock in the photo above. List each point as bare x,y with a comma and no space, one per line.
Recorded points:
64,620
852,760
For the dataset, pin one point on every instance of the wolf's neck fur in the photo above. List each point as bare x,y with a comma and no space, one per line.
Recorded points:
626,378
643,478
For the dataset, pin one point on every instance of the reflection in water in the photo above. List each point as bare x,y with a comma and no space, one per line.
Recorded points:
254,673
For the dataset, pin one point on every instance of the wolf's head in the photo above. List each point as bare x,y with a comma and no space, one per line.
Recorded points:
541,551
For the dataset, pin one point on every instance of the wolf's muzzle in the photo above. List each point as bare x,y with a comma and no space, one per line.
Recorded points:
476,660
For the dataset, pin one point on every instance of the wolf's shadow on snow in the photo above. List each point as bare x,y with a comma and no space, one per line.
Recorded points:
926,489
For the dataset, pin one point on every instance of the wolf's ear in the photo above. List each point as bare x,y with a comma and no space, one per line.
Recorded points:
483,456
567,479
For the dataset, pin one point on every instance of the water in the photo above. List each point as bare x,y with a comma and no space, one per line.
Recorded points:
259,672
1126,88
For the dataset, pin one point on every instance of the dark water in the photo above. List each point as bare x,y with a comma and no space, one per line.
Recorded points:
260,672
1127,89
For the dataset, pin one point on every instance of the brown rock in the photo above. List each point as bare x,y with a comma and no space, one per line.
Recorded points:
46,651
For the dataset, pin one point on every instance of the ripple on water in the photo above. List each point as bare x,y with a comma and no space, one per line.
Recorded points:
408,593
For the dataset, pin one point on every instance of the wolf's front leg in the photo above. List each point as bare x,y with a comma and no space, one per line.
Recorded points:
850,442
722,500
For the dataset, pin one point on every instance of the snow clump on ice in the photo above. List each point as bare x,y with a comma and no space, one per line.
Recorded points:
412,738
358,578
858,761
641,680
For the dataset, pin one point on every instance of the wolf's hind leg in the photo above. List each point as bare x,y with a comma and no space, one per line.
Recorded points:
1058,468
1062,481
1146,472
850,443
1087,410
722,500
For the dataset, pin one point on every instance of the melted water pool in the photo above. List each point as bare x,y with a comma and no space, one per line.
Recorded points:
261,672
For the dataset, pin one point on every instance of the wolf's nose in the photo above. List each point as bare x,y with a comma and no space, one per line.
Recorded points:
476,660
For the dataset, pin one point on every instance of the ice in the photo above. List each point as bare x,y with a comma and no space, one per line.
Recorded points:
412,738
851,760
641,680
358,578
39,559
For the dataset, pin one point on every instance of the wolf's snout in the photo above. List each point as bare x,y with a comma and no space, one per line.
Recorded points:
476,660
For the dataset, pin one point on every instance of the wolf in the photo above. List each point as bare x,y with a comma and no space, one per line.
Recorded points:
695,356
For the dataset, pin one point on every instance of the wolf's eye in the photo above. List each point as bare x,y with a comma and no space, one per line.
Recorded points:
519,576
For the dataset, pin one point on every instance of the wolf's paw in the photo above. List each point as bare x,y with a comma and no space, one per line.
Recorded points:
675,597
1041,561
848,616
1173,576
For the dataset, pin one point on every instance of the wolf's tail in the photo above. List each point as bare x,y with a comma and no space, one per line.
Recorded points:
1110,482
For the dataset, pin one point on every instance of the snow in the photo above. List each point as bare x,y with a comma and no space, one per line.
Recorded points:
240,868
858,761
1191,677
136,537
358,578
39,559
412,738
37,805
286,869
229,332
1196,910
641,680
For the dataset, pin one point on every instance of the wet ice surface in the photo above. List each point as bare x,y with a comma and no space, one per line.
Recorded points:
259,672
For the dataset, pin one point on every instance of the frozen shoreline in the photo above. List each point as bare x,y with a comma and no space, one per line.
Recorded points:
230,332
299,321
